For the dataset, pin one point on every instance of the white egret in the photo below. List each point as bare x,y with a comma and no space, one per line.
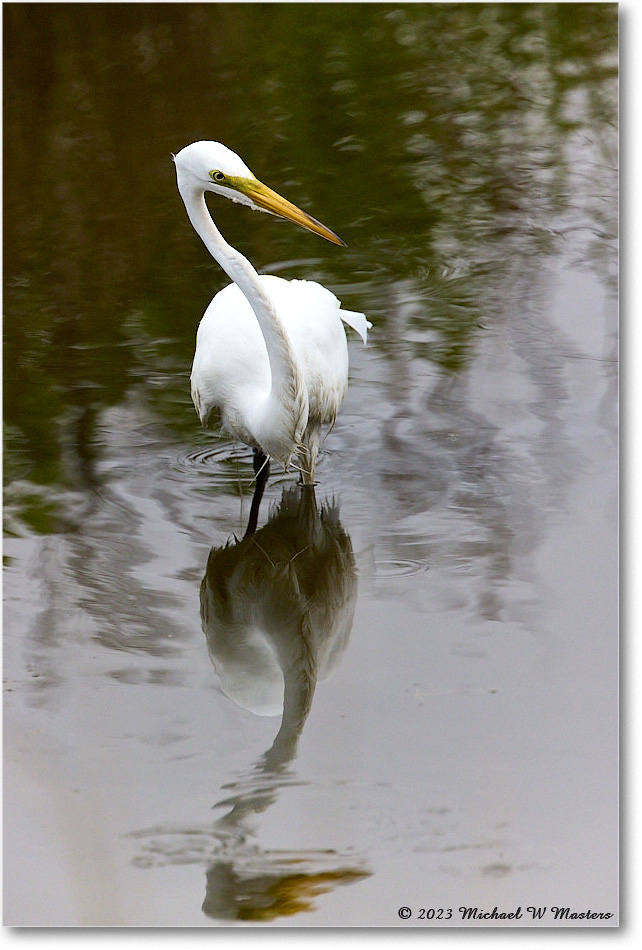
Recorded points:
271,354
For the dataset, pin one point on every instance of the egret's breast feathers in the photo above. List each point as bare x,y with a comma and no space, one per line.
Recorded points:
231,368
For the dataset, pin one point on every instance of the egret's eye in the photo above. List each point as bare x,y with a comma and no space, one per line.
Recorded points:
217,176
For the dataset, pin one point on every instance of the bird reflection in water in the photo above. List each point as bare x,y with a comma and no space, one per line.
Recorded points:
277,610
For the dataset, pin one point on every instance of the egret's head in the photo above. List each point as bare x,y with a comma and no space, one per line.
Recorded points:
210,166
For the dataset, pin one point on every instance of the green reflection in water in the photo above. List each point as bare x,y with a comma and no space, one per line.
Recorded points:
443,142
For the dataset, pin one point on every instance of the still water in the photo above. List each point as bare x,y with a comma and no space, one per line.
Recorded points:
402,691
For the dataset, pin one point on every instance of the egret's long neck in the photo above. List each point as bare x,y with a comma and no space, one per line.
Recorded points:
288,392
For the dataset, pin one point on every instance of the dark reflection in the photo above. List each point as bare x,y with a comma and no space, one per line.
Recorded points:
277,610
282,890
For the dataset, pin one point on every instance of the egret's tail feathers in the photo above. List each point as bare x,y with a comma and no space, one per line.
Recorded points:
357,321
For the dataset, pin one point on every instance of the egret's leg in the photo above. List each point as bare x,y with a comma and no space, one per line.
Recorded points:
261,464
309,456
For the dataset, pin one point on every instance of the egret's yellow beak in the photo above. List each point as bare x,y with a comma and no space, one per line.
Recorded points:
265,198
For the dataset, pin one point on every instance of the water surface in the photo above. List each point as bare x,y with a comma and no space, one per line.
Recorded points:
401,691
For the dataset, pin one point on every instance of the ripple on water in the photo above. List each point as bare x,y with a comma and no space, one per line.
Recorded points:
400,567
214,459
228,463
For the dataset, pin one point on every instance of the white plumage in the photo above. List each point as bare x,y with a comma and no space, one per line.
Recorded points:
231,368
271,354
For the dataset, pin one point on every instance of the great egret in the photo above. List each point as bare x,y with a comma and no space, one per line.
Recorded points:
271,354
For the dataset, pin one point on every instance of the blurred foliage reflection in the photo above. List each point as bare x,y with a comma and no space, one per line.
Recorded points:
443,142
